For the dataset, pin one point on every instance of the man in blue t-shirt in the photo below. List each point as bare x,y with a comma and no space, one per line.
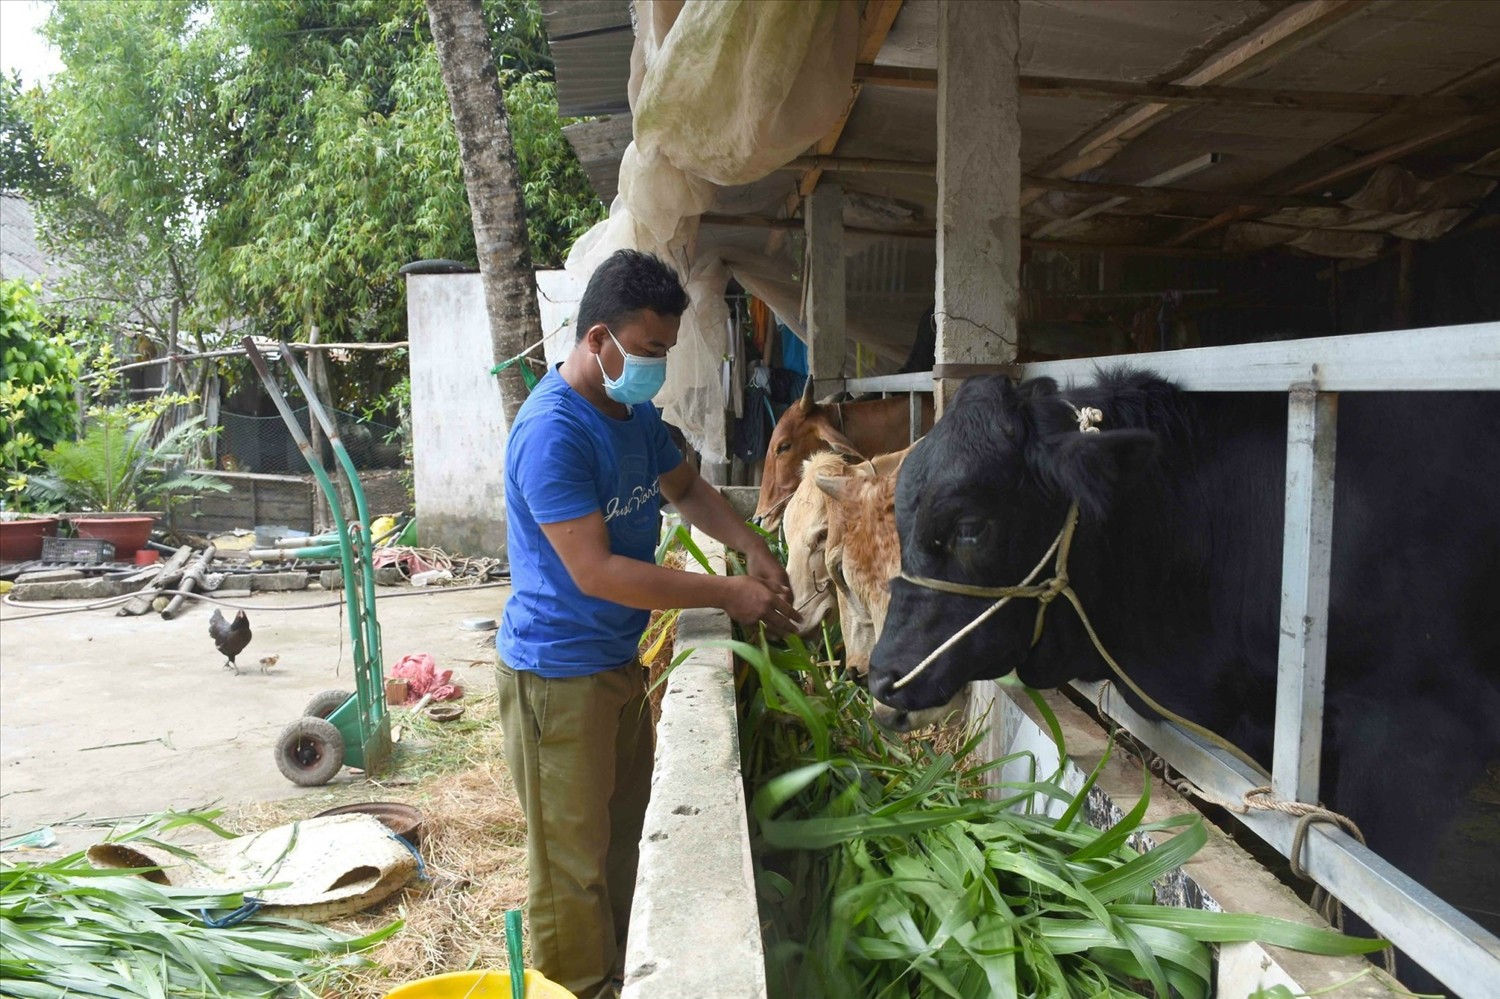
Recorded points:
587,467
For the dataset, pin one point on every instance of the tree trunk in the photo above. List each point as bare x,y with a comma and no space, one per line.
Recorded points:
493,184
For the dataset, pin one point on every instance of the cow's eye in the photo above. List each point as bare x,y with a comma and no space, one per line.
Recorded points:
969,530
783,447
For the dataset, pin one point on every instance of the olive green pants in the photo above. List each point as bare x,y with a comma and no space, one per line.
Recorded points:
580,751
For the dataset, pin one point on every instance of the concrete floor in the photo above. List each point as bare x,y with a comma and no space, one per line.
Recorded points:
74,687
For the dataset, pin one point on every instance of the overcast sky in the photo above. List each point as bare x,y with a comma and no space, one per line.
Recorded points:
21,47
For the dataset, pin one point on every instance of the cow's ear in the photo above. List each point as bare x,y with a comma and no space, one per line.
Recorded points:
833,485
843,447
1093,469
806,402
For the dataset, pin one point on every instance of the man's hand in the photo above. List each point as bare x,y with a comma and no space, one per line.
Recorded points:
750,602
762,565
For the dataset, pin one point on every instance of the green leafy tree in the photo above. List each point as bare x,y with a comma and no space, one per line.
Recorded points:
23,167
38,375
222,165
130,122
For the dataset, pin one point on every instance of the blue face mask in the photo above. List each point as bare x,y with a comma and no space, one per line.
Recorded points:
640,379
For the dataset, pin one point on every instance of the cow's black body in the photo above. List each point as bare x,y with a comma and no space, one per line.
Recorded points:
1177,559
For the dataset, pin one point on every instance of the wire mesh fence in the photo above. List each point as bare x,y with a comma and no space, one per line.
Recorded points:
264,444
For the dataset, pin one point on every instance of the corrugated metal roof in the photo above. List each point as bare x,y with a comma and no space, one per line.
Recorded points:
591,42
1379,48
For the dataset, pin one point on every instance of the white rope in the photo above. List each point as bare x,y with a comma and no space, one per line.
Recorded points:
968,628
1088,417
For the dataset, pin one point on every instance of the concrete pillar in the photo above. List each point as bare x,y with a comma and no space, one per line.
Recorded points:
824,217
979,188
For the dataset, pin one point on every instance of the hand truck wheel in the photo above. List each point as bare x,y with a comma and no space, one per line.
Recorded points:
310,751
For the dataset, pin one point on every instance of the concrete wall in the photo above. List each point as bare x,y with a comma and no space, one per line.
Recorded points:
695,926
458,432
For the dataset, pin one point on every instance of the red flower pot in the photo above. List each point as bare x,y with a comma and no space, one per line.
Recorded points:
21,540
128,534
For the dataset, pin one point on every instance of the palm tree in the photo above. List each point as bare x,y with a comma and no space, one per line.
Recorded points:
493,184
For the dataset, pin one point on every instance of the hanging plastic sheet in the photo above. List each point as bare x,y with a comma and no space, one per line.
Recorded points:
724,92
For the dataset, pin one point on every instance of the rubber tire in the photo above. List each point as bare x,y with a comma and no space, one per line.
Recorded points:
326,703
310,751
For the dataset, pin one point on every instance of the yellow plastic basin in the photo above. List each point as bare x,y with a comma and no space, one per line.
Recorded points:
479,985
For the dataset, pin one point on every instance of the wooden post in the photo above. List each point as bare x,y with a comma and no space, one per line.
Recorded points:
979,189
824,216
1403,317
191,581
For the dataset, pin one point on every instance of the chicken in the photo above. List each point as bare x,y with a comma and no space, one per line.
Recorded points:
230,639
266,662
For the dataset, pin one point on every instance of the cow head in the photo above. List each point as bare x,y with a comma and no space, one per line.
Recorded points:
979,501
804,523
805,429
863,554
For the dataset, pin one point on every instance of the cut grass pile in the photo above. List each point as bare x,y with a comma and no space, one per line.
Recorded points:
890,868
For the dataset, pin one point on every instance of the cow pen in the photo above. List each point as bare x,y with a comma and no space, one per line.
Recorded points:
698,783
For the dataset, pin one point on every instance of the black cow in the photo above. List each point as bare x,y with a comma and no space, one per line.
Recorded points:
1177,561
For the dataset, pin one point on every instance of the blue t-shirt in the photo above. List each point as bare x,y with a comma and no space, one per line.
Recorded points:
565,459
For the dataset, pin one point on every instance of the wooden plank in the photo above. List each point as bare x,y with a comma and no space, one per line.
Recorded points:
1115,249
861,164
168,575
1284,34
1175,195
914,78
1286,100
574,18
1179,172
603,139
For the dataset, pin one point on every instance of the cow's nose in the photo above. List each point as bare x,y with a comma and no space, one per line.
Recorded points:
893,719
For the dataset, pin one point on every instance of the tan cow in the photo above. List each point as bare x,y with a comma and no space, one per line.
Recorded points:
873,427
842,551
804,524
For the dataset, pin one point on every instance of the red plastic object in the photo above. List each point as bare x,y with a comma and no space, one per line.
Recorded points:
147,556
127,534
21,540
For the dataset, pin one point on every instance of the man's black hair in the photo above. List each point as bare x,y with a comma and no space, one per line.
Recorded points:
626,283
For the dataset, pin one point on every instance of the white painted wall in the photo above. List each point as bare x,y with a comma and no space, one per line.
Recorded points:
458,431
458,434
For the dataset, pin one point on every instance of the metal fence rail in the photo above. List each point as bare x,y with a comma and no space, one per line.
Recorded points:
1312,373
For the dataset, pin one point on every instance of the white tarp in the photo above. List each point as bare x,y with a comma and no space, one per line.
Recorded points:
723,92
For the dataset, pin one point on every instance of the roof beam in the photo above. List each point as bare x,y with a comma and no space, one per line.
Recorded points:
1427,137
903,77
1279,37
781,225
1175,195
1193,166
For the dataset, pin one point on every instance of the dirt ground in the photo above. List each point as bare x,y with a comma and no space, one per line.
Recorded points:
104,716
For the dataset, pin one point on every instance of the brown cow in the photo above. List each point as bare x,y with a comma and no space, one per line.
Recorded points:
863,429
853,529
